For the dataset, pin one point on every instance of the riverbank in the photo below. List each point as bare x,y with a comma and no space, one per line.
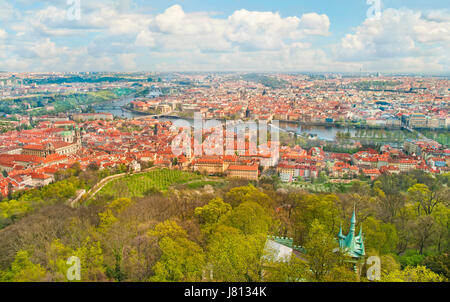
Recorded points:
365,134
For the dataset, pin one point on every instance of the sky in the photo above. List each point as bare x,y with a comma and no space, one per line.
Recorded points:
388,36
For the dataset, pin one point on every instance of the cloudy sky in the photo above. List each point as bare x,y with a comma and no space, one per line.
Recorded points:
225,35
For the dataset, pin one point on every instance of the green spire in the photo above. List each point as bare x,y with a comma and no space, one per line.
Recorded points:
353,245
353,222
340,235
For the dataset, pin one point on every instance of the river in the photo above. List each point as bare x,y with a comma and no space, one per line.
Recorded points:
114,107
327,133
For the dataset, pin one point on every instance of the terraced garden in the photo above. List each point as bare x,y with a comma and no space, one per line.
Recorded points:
138,185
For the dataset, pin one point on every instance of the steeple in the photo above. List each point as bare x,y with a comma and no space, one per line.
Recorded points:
353,245
353,222
340,235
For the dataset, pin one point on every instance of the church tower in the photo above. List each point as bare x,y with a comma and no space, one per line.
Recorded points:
78,137
352,244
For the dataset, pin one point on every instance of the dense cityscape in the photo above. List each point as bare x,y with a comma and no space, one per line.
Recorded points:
380,122
338,134
224,149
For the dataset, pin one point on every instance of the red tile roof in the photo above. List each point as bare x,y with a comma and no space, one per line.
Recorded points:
243,168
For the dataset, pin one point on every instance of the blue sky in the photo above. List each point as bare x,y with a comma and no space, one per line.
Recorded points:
245,35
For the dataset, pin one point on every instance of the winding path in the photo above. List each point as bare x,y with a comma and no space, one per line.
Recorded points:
98,186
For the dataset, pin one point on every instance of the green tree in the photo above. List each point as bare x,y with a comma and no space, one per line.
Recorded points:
403,220
90,254
23,270
323,178
321,251
119,204
388,265
380,236
440,264
14,209
441,216
234,256
109,216
213,211
423,230
413,274
181,259
250,218
410,257
91,260
107,219
389,204
294,270
342,272
238,195
425,199
315,207
168,228
57,255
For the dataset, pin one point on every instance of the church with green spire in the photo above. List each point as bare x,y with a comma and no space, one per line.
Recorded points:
352,244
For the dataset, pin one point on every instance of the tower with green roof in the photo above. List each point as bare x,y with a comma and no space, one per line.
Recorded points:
352,244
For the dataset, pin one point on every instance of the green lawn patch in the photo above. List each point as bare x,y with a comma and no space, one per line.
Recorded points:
138,185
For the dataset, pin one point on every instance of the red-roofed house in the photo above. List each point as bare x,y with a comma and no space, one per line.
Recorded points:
241,171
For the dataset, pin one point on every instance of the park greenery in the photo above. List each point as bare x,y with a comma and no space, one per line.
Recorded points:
42,104
6,125
265,80
81,79
364,85
344,139
442,137
67,184
137,185
160,229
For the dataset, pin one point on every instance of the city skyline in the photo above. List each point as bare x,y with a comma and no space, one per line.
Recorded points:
245,36
224,146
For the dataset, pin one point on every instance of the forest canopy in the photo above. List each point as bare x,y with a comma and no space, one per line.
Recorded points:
219,233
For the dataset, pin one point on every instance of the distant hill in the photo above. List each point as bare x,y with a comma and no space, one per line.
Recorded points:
267,81
78,79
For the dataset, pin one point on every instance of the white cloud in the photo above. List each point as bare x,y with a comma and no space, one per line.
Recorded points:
7,11
267,30
397,33
260,30
315,24
45,49
15,64
437,15
245,30
3,34
127,60
175,36
400,40
118,36
145,38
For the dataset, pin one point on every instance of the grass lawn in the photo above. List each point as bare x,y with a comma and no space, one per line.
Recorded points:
201,183
138,185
